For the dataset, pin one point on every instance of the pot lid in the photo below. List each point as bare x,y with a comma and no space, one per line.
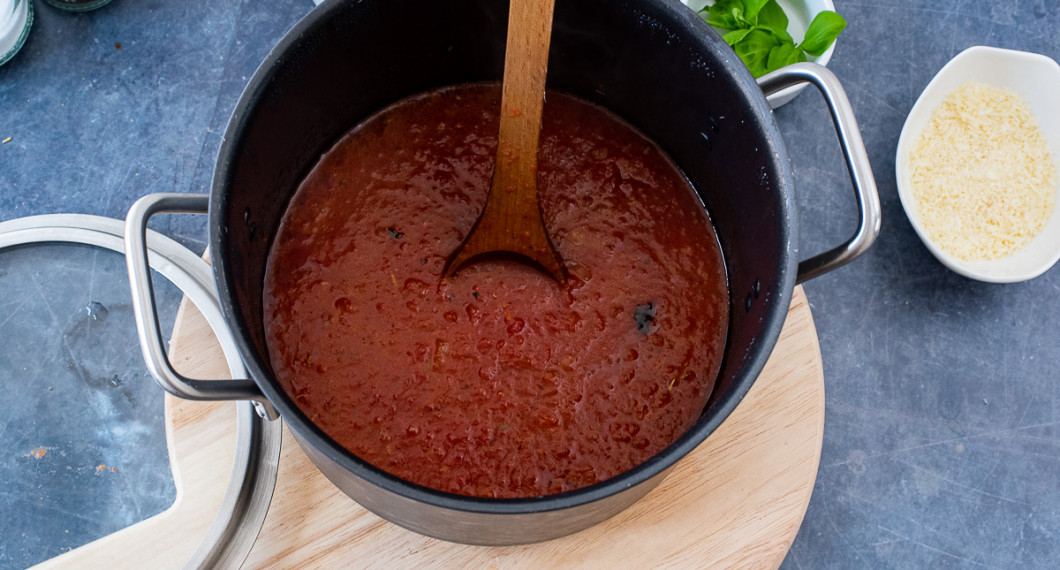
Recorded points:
78,388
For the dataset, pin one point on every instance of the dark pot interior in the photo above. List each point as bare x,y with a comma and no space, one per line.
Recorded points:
653,62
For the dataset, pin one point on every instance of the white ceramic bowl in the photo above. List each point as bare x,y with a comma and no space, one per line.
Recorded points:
800,14
1035,77
16,18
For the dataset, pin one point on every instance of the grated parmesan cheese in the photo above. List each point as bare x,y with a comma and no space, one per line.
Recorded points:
983,179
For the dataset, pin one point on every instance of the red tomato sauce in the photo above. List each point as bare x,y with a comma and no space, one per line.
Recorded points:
498,381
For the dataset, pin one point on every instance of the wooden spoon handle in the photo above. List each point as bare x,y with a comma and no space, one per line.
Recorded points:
511,220
522,99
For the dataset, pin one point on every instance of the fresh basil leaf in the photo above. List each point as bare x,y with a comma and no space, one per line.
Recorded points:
711,18
823,30
781,55
752,8
715,23
773,18
734,37
741,21
754,50
723,14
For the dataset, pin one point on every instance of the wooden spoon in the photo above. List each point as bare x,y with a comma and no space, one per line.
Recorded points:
510,224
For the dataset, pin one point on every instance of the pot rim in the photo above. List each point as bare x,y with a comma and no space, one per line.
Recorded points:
704,40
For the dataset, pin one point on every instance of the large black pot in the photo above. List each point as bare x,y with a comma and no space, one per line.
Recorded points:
653,62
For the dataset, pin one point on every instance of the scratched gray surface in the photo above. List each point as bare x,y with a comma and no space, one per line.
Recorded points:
942,436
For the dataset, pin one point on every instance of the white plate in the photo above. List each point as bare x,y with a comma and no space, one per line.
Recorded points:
1036,78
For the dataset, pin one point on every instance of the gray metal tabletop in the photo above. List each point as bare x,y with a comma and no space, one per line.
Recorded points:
942,427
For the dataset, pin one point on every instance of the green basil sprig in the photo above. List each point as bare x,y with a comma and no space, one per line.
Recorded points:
757,30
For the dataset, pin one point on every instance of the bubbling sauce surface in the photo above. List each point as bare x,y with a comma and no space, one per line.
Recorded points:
496,382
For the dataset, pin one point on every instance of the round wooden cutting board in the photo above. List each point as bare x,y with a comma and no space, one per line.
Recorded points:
737,501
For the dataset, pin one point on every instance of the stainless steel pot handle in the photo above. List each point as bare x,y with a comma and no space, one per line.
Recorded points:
857,158
147,314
